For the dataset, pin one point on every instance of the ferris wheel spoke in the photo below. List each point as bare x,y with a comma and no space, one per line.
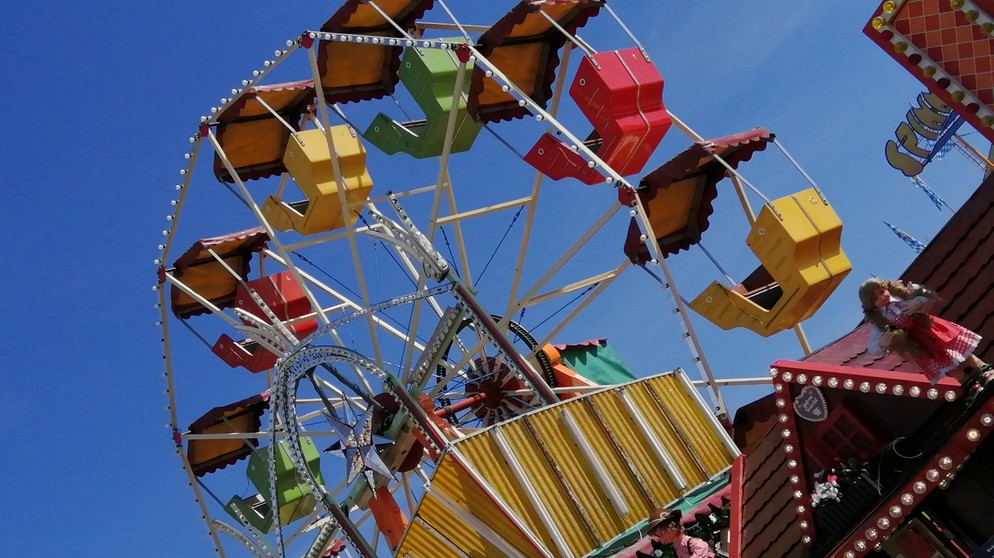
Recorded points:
443,180
596,285
526,299
532,204
405,482
420,282
254,207
304,528
343,201
323,540
436,349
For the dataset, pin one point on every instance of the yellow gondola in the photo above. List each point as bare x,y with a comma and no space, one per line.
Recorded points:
797,240
308,160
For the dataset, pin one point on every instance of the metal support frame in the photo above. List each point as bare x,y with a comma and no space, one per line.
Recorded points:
343,200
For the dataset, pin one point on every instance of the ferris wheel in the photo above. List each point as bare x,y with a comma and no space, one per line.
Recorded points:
368,296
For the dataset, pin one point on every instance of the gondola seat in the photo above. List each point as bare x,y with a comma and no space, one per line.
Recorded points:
308,160
802,263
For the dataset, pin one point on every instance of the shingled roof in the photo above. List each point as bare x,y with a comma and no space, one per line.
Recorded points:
958,265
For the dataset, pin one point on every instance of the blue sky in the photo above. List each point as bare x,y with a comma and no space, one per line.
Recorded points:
100,103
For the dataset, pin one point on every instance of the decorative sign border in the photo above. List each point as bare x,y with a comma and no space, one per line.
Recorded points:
786,373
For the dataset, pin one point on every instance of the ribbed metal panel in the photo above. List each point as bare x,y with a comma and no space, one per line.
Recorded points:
455,508
575,490
566,502
446,530
592,494
612,453
425,540
421,536
693,422
487,459
671,426
637,450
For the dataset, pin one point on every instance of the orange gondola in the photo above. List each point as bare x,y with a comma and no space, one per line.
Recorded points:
252,137
678,195
354,71
524,46
200,272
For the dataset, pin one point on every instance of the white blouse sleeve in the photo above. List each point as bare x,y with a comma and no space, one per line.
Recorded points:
873,342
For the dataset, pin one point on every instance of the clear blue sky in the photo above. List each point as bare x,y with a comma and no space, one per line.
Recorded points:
99,103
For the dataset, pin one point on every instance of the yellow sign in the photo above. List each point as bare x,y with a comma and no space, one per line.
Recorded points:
925,121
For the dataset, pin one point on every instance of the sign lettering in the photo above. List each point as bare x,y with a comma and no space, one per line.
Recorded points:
927,120
810,405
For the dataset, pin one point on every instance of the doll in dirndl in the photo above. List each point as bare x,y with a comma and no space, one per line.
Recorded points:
899,322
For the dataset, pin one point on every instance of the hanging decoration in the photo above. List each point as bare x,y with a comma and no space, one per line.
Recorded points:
915,244
358,445
826,492
829,484
939,202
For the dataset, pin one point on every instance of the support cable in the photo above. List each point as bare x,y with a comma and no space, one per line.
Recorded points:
452,257
504,141
715,262
499,244
566,305
197,334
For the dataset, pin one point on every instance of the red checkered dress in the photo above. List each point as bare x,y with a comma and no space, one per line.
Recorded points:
945,345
